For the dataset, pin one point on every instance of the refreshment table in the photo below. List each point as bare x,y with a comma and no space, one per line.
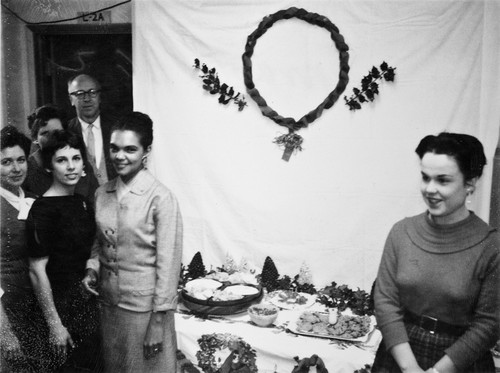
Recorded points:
275,347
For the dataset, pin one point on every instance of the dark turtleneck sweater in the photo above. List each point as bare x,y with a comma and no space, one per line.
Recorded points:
450,272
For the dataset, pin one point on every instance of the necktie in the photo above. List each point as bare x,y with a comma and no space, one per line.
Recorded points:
91,145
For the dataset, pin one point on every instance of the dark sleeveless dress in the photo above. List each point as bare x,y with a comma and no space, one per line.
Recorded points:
63,229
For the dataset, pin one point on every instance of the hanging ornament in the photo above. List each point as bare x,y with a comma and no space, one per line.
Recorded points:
292,142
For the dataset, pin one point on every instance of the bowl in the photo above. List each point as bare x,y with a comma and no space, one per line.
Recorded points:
263,314
229,307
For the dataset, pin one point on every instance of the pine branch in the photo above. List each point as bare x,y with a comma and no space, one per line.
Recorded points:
369,86
212,84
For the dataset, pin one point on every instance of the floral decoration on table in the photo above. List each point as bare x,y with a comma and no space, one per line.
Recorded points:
369,86
224,353
213,85
184,364
342,297
304,365
293,143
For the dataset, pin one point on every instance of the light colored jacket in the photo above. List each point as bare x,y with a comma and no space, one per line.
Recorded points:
138,247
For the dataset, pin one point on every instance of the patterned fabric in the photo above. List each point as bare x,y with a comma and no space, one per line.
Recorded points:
18,300
62,228
428,349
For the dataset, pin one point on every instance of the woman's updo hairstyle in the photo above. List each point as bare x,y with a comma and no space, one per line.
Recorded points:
465,149
11,137
59,140
41,116
139,123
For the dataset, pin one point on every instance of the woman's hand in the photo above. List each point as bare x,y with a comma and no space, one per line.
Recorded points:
60,339
89,282
153,342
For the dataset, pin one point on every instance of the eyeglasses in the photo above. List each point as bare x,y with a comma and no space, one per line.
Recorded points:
80,95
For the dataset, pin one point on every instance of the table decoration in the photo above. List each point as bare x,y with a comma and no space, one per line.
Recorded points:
224,352
271,280
342,297
292,142
303,365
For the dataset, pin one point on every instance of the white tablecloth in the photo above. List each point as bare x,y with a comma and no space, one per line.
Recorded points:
275,347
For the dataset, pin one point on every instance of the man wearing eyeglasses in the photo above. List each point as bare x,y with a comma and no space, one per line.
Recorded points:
95,127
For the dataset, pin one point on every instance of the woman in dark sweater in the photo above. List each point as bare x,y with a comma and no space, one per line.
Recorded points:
436,294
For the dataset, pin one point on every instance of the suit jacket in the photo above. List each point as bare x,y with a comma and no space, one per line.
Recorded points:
138,247
107,122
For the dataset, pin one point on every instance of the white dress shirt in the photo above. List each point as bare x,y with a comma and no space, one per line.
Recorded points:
98,142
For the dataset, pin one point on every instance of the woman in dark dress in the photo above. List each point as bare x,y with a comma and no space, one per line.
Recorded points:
61,228
18,336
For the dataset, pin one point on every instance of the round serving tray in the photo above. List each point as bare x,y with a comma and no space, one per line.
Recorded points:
229,307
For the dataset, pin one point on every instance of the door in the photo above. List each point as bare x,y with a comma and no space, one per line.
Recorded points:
105,52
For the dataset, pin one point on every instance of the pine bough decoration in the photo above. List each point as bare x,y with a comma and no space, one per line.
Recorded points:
196,268
212,84
271,279
269,276
369,86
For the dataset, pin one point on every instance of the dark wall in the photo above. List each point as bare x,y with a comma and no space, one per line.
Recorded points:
65,51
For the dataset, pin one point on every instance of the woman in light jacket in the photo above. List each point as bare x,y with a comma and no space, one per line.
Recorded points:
136,257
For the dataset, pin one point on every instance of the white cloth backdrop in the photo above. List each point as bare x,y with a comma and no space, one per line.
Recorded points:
332,205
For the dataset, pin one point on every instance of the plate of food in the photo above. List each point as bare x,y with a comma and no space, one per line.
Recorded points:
291,300
351,328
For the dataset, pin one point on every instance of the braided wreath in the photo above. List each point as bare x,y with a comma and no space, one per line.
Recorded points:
291,123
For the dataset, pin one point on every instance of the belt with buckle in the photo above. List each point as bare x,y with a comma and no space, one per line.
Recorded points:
433,325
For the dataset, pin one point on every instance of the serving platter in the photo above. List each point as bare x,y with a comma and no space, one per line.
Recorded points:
289,300
292,327
246,296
